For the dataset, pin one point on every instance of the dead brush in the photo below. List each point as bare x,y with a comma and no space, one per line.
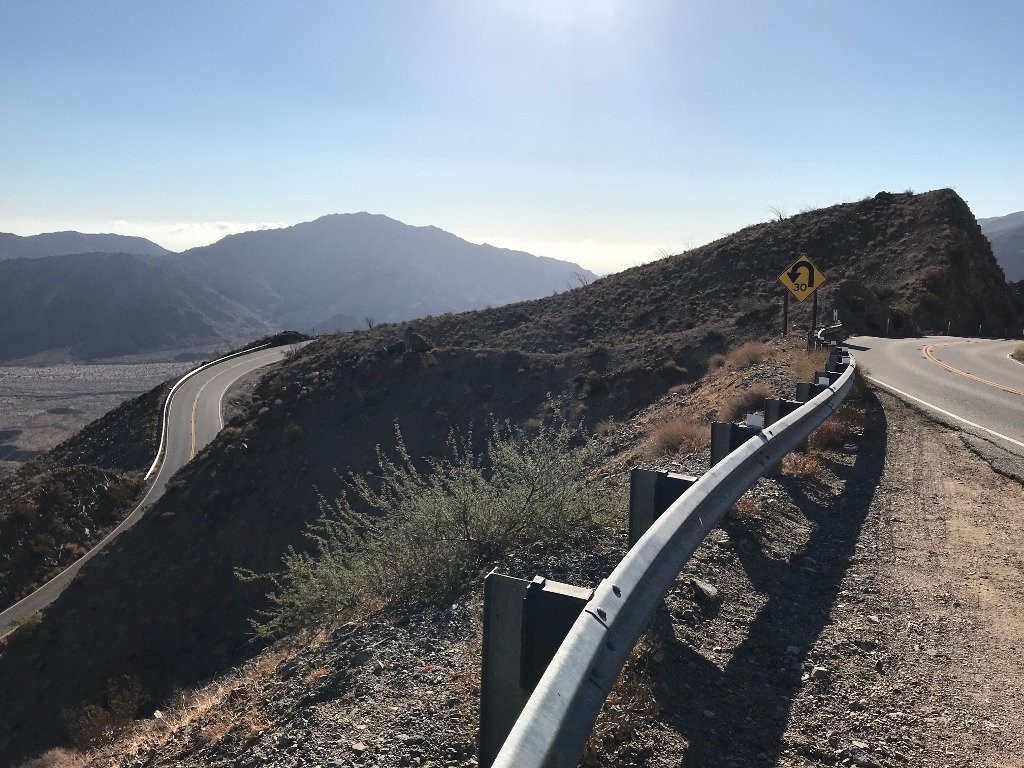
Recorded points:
678,436
803,365
630,703
746,508
839,429
58,757
1018,353
748,353
802,465
746,401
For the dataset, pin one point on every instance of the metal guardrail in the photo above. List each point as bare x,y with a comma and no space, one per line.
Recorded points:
554,725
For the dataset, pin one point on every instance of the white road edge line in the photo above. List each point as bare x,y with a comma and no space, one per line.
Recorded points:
936,408
167,402
124,523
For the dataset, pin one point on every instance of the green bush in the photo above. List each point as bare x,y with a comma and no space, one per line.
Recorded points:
429,532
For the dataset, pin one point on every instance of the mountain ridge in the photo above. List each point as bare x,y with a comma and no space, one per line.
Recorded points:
1006,234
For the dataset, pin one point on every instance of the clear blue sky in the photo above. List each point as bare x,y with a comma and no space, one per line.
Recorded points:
594,130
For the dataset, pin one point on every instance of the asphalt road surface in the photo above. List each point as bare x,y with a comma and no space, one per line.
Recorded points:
971,384
193,420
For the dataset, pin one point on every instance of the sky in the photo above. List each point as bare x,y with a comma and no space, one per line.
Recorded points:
599,131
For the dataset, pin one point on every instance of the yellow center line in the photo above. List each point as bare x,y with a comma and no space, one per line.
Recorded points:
931,356
195,403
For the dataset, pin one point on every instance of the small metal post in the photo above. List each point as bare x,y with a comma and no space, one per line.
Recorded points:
651,492
524,623
726,437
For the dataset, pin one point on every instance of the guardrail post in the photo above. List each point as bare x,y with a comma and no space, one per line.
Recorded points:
826,378
651,492
726,437
524,624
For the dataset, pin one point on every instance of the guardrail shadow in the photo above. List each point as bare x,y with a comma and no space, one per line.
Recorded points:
738,715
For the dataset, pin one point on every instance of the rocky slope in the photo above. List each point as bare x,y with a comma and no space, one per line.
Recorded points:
604,351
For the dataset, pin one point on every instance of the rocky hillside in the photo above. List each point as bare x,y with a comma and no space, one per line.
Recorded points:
97,305
1006,233
63,243
340,270
603,352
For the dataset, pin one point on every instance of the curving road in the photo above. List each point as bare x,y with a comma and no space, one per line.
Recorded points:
193,419
969,383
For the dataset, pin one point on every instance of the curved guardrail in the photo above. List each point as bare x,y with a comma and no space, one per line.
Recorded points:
554,725
167,402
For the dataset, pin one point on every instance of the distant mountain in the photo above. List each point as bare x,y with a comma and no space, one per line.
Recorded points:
335,272
1006,233
63,243
101,305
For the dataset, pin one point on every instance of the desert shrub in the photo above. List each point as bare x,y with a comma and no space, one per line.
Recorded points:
744,402
58,757
803,465
430,531
678,435
1018,353
803,365
596,384
748,353
95,724
837,430
716,361
746,508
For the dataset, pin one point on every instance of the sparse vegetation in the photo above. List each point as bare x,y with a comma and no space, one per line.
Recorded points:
748,353
678,436
744,402
1018,353
838,429
803,365
431,530
95,724
802,465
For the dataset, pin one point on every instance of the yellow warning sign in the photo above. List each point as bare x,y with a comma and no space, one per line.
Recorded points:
802,277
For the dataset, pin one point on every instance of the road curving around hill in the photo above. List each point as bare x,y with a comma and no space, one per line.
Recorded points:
193,417
970,384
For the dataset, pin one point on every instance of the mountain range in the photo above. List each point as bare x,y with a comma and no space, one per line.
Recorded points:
87,296
1006,233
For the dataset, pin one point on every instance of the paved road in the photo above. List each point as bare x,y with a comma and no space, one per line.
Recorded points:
969,383
193,420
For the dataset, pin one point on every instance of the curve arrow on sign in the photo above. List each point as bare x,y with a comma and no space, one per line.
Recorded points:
794,272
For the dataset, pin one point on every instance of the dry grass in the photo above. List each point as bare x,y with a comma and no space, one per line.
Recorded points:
839,428
716,361
803,365
748,353
57,758
1018,353
629,706
746,508
803,465
678,436
746,401
315,675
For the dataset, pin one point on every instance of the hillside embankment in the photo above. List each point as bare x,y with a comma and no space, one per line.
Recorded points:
165,605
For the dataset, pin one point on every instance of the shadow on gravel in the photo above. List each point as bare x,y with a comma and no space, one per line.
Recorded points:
737,716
